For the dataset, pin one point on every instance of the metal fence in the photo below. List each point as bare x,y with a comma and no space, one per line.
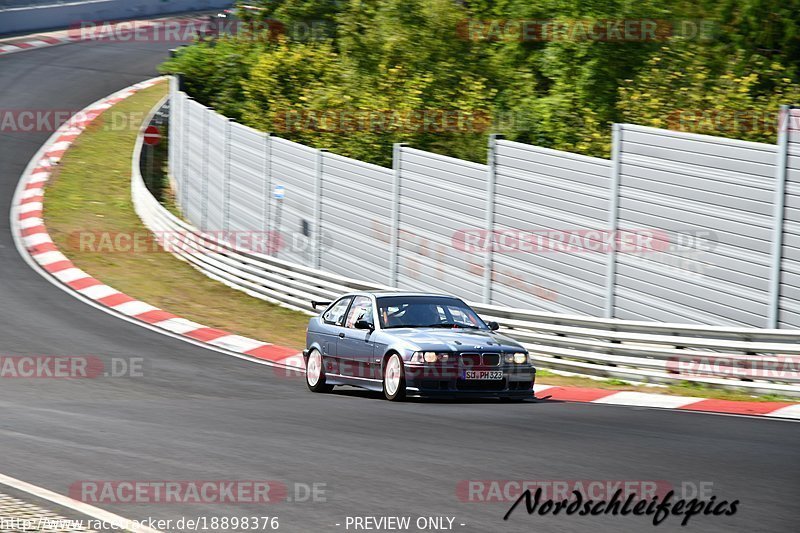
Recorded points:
676,227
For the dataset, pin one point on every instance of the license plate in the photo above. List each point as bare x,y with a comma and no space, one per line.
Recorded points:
483,374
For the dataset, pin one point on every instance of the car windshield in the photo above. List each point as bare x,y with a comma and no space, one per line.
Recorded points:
427,312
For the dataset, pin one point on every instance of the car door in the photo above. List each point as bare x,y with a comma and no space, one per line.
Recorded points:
355,347
332,327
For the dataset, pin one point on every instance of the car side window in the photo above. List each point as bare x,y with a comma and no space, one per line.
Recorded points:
335,315
362,308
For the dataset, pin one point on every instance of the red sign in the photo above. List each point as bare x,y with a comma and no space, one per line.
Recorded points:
152,135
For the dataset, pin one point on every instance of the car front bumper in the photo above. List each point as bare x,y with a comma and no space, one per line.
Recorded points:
517,382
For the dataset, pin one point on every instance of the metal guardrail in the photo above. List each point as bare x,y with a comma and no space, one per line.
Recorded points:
754,360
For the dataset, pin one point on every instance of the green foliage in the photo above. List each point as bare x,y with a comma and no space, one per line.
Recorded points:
682,87
360,85
213,72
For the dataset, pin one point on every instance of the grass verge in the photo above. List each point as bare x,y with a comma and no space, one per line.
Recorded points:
90,192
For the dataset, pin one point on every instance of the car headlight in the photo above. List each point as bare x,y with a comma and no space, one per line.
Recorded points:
520,358
429,357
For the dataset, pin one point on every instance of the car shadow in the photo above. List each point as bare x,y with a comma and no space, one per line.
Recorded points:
355,392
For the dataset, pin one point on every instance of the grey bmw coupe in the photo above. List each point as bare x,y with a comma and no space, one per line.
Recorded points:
411,344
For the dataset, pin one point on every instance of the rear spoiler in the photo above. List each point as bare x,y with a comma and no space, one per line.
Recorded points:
315,304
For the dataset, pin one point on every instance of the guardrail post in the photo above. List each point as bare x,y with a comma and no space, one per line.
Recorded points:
172,122
318,208
204,172
491,185
394,246
185,141
778,214
226,173
613,219
266,189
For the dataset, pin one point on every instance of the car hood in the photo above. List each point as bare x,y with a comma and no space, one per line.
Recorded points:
457,340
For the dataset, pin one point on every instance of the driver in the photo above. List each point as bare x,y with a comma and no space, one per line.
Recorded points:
421,315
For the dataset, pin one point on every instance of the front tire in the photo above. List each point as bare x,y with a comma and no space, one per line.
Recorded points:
315,373
394,380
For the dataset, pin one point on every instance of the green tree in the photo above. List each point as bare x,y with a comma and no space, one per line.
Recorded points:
359,88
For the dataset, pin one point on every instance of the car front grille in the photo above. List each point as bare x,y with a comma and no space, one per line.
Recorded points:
476,359
491,359
471,359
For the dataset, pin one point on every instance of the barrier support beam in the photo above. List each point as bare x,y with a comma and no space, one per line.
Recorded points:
778,213
266,196
226,174
317,231
204,173
613,220
394,243
491,186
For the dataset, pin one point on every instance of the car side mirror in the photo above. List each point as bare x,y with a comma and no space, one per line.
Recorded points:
364,324
494,326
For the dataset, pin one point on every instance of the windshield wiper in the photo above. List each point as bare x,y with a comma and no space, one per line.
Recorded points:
451,325
438,325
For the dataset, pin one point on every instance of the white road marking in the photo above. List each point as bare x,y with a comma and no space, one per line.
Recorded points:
791,411
134,308
644,399
178,325
237,343
36,239
95,292
30,222
30,206
70,274
48,258
75,505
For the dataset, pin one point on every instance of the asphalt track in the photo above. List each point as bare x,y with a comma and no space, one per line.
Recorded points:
201,415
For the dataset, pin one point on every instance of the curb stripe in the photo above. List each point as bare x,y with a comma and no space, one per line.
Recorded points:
793,411
96,292
571,394
83,283
271,352
742,408
34,230
58,266
645,399
157,315
206,334
115,299
41,248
